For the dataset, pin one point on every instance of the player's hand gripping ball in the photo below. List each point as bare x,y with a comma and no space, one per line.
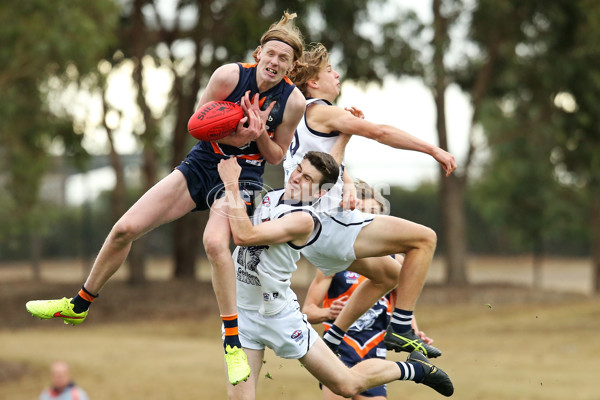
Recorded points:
215,120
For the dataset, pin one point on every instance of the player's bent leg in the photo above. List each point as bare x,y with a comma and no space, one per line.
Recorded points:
168,200
392,235
387,235
418,243
324,365
383,273
344,381
246,390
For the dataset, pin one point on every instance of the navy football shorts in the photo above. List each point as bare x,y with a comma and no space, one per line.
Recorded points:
205,185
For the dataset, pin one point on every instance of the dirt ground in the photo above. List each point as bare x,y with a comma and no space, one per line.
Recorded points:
501,339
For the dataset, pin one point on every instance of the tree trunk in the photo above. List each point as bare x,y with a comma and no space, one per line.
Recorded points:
538,263
188,234
137,257
137,261
452,188
454,230
595,221
35,254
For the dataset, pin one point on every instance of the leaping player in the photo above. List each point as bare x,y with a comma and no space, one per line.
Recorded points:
195,184
352,240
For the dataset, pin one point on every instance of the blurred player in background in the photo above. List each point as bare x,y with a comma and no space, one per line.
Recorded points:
327,296
273,107
352,240
63,387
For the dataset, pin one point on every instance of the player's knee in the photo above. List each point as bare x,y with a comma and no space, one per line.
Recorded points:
429,239
390,275
215,247
123,232
344,389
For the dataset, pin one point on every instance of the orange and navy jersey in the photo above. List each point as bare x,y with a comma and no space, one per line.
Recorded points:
249,154
366,334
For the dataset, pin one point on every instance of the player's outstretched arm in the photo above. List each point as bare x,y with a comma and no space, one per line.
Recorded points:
337,119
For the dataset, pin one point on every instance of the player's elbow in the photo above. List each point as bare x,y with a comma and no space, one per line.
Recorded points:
242,239
274,159
378,133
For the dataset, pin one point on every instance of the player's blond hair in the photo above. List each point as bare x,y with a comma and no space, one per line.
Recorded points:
364,191
314,60
284,31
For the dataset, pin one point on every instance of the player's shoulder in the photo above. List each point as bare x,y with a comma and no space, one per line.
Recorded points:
324,113
301,219
226,72
297,100
295,106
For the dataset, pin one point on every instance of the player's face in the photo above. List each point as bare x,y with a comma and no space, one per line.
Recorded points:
303,184
370,206
329,81
275,59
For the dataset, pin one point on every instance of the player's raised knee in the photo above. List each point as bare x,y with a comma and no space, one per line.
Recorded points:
344,389
123,232
430,238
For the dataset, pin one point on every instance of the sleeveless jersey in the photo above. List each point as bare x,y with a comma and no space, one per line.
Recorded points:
249,154
368,330
264,273
307,139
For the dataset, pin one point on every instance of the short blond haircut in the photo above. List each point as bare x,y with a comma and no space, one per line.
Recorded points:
284,31
364,191
314,60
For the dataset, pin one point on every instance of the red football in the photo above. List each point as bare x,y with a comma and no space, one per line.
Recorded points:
215,120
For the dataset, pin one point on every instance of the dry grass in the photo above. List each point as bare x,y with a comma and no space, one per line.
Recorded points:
500,341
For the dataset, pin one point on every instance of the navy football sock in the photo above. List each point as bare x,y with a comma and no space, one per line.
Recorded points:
401,320
333,337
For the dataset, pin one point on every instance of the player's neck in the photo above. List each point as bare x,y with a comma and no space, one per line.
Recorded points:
318,94
264,85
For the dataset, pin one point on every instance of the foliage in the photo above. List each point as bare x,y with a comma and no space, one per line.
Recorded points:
35,49
541,123
545,154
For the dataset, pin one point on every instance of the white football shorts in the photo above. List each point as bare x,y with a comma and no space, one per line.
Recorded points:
288,333
334,249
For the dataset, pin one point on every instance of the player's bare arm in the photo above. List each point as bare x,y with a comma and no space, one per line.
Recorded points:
314,298
350,201
332,119
220,85
294,227
273,149
339,148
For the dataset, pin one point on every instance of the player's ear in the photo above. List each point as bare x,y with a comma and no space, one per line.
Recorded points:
258,51
313,84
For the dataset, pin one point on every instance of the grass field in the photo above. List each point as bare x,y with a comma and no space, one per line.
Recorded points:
501,340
